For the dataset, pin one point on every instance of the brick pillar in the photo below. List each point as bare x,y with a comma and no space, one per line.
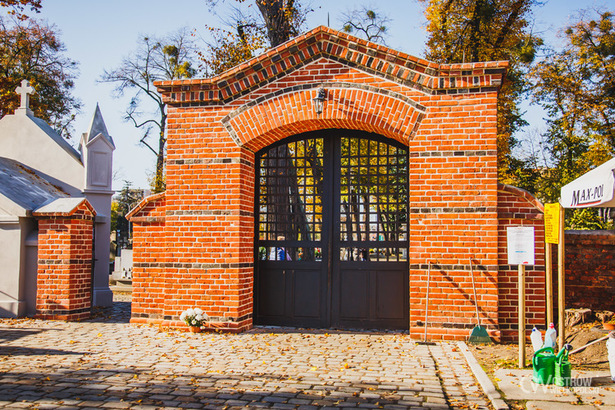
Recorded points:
149,253
64,279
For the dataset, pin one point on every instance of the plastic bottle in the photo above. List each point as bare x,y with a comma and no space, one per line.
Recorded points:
536,339
610,345
550,336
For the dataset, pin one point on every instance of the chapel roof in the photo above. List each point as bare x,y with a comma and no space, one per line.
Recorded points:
324,42
57,138
25,188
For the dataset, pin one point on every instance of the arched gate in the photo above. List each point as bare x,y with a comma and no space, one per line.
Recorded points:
332,232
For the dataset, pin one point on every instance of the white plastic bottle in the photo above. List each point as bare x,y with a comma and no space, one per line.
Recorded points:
551,336
610,345
536,339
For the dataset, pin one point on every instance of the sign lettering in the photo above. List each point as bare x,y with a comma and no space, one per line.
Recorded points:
587,196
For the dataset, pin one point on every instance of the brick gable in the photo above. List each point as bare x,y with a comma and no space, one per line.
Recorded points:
194,246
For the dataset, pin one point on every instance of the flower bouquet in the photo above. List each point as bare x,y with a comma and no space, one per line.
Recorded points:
195,318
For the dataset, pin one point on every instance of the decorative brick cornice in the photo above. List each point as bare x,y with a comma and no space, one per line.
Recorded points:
324,42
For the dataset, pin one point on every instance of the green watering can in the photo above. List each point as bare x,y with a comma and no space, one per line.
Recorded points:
543,363
563,369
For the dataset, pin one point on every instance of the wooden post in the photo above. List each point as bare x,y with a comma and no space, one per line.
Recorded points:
521,315
549,280
561,282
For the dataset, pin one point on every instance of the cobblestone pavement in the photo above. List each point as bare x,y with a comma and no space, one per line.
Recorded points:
108,363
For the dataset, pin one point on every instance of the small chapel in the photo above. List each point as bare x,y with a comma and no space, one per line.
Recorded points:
335,183
55,206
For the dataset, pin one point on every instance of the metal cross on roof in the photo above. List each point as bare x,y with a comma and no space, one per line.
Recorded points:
25,90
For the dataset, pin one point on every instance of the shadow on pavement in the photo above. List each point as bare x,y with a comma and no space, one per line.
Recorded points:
29,351
119,312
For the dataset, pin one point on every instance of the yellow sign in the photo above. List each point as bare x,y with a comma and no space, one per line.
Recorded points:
552,223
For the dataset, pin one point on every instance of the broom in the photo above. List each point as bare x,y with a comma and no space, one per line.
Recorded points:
425,342
478,334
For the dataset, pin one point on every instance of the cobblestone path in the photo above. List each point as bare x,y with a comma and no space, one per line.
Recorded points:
108,363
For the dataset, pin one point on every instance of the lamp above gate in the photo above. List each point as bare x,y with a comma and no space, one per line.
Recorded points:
319,100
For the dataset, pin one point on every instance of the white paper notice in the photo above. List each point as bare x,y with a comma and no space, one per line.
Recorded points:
520,245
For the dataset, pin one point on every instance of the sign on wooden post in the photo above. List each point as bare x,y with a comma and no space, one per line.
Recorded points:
552,223
520,241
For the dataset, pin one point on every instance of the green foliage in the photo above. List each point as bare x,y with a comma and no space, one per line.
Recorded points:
576,87
586,219
32,50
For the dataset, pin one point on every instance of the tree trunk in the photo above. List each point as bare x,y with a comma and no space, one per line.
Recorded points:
277,15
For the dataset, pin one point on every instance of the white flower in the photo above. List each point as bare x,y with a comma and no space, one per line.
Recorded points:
193,317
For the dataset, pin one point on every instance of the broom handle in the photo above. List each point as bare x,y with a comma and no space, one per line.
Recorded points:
589,344
474,288
427,299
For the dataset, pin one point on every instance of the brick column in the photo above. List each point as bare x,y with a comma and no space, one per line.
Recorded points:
149,253
64,279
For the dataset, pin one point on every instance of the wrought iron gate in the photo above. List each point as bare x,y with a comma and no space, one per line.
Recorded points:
332,232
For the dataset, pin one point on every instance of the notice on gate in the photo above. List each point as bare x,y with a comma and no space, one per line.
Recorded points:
520,245
552,223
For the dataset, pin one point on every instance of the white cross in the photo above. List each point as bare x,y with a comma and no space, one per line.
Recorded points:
25,90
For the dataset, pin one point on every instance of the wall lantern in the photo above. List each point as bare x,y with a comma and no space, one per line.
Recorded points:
319,100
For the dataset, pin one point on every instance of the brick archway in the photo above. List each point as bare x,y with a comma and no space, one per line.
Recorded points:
290,111
445,114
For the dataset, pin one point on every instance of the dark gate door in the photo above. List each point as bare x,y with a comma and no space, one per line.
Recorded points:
332,232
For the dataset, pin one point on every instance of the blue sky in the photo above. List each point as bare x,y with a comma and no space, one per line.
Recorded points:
98,34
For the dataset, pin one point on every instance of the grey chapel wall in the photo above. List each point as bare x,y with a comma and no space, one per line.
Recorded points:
33,143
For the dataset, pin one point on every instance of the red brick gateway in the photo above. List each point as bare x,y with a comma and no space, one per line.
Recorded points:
275,213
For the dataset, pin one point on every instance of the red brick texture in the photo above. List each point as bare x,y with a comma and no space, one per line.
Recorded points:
517,207
590,270
201,237
64,278
148,275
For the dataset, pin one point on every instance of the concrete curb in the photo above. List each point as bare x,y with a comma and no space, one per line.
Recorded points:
485,382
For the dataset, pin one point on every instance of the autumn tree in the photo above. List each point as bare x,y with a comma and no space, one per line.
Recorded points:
156,59
576,87
369,23
16,7
250,33
32,50
230,48
485,30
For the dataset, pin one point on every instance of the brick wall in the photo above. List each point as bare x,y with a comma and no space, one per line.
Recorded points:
64,276
148,272
517,207
590,270
446,115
